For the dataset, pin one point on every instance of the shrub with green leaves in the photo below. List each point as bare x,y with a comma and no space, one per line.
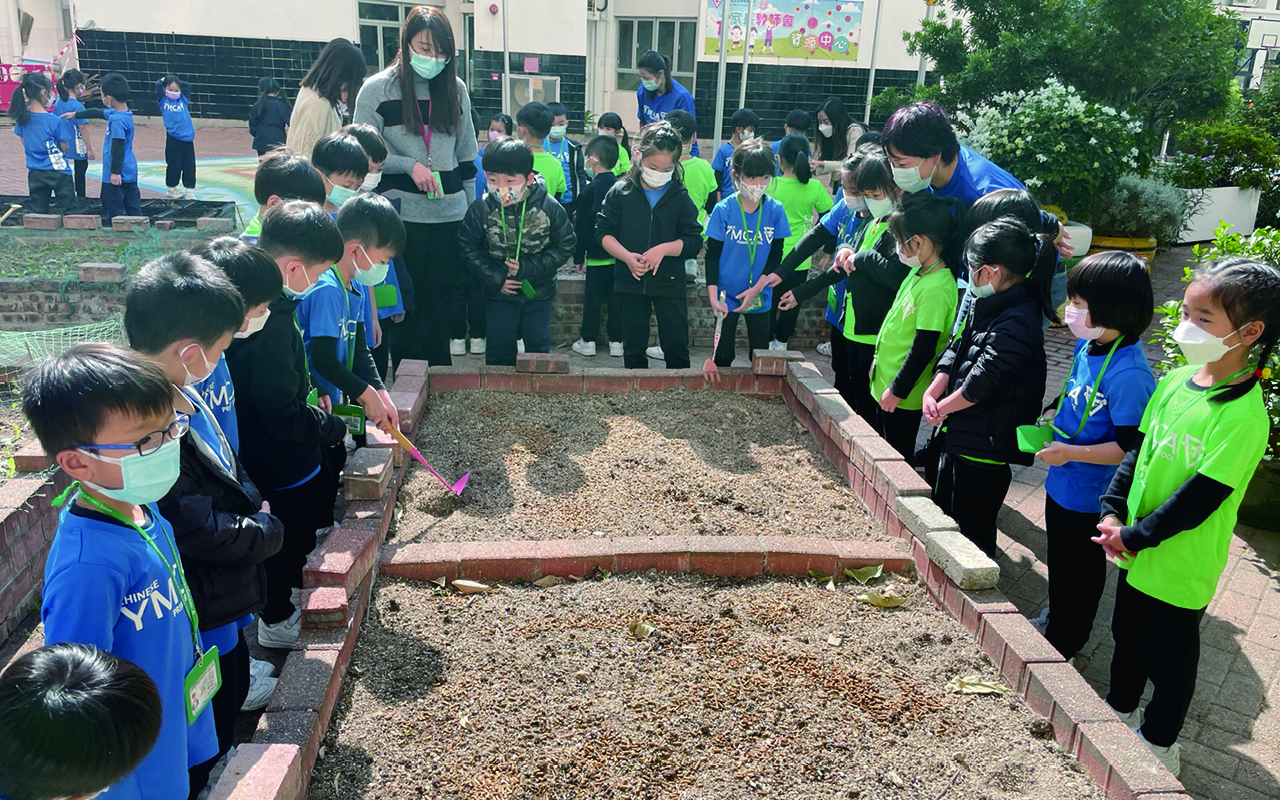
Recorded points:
1220,154
1138,208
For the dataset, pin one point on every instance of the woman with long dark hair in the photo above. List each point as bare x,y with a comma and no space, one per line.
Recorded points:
659,93
321,106
423,111
837,140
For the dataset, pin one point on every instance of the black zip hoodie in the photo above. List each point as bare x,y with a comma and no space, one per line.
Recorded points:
627,217
545,236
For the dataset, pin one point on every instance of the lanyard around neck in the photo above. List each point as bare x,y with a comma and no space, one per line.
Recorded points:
1148,453
524,204
755,236
342,287
426,131
1093,393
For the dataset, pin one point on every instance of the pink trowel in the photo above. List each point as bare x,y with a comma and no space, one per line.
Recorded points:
413,451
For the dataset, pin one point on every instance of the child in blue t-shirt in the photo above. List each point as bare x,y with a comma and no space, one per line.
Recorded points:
70,89
1095,424
744,122
120,195
46,138
113,577
174,97
745,236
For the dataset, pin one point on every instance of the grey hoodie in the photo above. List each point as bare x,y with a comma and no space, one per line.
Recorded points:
379,105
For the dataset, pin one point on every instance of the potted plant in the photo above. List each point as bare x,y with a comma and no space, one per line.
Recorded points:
1231,162
1140,214
1069,152
1261,504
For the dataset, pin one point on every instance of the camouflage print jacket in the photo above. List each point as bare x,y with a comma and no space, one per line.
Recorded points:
545,242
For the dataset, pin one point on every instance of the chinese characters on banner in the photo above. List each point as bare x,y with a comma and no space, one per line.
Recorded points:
816,29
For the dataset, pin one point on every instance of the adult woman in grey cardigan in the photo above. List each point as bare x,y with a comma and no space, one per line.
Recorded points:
431,170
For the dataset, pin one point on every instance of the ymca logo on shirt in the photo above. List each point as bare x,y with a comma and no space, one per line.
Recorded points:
141,606
56,157
739,236
1168,443
1080,392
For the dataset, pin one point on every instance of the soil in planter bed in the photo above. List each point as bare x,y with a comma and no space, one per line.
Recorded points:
755,688
640,464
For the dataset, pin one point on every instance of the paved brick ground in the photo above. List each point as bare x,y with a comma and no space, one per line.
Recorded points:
1230,739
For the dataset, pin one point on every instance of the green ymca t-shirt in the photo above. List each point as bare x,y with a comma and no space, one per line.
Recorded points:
801,201
700,182
552,171
1186,434
925,303
873,230
624,162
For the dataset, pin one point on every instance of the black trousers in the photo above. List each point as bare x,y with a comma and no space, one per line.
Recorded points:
81,169
475,319
599,294
757,336
302,511
180,162
673,329
434,261
508,322
384,354
900,429
235,688
120,201
972,492
43,184
1155,640
858,358
783,323
1077,576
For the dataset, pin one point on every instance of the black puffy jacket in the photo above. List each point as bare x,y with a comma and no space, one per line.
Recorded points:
221,534
627,217
546,241
998,364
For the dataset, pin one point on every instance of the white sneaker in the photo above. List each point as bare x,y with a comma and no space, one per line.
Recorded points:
189,194
1170,756
825,349
1133,719
584,348
321,535
655,353
174,192
478,346
261,669
777,345
615,349
1041,621
260,691
519,346
457,347
282,635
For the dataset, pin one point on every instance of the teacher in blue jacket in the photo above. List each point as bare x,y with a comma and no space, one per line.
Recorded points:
659,93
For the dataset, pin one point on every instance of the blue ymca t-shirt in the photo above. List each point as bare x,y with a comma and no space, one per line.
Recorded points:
778,168
723,161
738,270
219,394
79,150
40,138
841,222
105,586
177,118
334,311
975,176
560,150
652,107
119,126
1122,398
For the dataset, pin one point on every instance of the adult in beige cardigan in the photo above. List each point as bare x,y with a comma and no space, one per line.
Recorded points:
320,107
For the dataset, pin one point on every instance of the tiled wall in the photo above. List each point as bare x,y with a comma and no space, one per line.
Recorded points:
486,93
223,71
774,91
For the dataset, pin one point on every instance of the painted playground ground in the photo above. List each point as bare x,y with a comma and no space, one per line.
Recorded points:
227,179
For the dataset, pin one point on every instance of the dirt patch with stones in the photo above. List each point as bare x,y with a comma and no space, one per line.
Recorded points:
639,464
755,688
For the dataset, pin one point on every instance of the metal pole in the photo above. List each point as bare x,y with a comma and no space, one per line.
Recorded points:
871,77
506,62
929,5
746,59
724,33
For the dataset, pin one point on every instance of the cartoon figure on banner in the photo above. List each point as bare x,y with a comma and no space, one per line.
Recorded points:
768,33
735,37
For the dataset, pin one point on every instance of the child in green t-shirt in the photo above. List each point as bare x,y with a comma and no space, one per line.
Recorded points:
533,123
804,200
699,177
610,124
1171,508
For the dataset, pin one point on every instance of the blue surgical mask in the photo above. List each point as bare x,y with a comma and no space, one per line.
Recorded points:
146,478
909,180
427,67
374,275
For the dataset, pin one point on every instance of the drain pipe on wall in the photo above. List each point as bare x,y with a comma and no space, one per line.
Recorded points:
506,60
14,20
871,77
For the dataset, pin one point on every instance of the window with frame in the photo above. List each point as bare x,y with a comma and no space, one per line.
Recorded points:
674,38
380,25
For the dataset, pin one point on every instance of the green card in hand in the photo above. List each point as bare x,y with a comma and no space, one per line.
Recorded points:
527,289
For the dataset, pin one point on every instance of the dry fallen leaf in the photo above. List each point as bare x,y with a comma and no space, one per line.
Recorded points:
641,629
547,581
471,587
441,581
866,573
976,684
883,601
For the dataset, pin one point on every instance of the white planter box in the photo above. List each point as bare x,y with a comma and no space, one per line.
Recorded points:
1231,204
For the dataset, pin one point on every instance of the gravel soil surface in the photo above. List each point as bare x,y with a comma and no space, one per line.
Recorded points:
639,464
756,688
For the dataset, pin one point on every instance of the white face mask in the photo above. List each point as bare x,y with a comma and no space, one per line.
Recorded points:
655,178
747,136
255,325
752,192
1199,346
985,290
294,293
371,181
191,377
909,180
558,132
1074,317
826,130
910,261
855,202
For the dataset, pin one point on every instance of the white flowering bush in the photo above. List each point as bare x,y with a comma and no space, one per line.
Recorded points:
1068,151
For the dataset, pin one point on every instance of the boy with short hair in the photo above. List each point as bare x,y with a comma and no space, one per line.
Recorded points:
113,577
74,720
332,317
283,436
374,146
343,165
797,121
181,312
514,239
568,152
282,175
744,122
699,177
533,124
590,258
119,193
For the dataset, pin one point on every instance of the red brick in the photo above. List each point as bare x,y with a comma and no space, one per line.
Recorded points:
969,606
734,379
498,561
896,479
380,439
894,527
564,557
505,379
300,729
262,772
367,474
855,554
126,224
344,559
1120,763
641,554
416,384
369,515
785,555
163,224
325,607
409,408
657,380
1013,644
921,561
726,556
215,224
454,379
765,362
608,381
30,457
83,222
769,384
412,366
102,273
1058,692
868,452
42,222
543,363
557,384
796,370
422,561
